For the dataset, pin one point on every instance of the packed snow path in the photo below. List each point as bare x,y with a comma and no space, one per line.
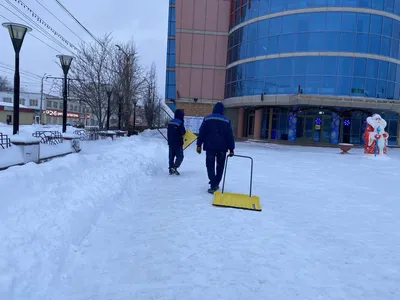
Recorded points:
109,223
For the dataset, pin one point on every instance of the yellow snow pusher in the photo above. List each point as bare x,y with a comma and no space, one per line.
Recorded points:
234,200
188,138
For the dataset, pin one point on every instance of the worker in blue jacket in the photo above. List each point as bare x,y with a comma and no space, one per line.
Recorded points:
216,136
175,133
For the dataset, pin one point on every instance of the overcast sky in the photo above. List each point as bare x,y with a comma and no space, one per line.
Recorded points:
145,22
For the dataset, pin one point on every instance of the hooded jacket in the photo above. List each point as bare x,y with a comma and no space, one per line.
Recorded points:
176,129
216,131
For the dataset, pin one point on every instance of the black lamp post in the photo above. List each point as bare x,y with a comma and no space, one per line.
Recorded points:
120,98
109,90
17,34
65,61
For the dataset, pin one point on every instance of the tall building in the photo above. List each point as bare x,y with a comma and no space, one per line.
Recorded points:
196,54
302,70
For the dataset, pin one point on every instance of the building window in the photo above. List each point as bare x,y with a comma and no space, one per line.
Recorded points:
7,100
22,101
170,86
171,22
171,54
332,75
316,31
33,102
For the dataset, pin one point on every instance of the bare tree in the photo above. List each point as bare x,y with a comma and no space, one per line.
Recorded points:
91,70
128,79
151,101
5,85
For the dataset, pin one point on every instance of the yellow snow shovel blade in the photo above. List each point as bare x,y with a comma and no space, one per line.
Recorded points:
188,138
235,200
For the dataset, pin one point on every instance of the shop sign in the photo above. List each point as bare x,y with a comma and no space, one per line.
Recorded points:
57,113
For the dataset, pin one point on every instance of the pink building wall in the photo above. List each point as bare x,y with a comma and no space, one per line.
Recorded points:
201,47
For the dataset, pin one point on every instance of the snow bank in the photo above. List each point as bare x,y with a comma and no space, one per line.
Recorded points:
11,156
24,139
71,136
27,130
47,210
47,151
109,223
154,133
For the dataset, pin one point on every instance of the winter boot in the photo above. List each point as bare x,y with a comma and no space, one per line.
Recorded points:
212,190
216,189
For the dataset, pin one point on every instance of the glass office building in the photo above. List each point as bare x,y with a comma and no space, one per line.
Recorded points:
313,70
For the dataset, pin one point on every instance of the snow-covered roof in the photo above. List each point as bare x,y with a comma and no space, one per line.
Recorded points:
11,104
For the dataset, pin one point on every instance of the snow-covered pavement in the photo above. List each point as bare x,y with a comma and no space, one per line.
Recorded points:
109,223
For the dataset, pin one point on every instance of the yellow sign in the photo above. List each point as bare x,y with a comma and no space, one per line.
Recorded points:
188,138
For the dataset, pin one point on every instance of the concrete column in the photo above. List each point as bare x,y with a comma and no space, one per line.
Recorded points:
240,125
264,124
258,123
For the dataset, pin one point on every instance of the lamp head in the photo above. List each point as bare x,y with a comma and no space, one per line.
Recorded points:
65,61
17,34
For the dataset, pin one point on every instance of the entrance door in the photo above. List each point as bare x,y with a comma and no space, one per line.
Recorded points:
250,126
326,129
309,128
312,128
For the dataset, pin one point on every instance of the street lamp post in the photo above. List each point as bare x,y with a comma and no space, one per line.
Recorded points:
65,61
109,90
120,98
17,33
127,78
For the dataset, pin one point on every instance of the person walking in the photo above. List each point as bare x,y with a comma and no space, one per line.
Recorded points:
216,136
175,132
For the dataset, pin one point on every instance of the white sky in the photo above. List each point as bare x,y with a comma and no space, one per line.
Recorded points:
145,22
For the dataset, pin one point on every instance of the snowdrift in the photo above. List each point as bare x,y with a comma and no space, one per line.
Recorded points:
47,210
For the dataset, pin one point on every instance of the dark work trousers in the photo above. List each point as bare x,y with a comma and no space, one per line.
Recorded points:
215,172
175,157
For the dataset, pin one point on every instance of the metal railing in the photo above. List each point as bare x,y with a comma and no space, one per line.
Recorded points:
82,134
5,141
49,137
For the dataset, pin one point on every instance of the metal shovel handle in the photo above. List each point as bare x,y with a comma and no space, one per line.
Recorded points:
251,173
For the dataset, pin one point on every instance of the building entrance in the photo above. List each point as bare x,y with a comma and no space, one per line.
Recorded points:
313,128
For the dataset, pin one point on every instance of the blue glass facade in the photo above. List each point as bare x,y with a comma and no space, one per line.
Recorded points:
249,9
348,32
328,75
317,31
340,47
170,79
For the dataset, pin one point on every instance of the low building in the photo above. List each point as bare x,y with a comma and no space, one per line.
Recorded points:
26,115
77,112
48,109
30,101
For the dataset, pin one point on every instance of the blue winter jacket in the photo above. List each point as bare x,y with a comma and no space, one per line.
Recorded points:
176,130
216,131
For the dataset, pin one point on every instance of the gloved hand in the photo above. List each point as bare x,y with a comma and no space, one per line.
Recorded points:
231,153
198,149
